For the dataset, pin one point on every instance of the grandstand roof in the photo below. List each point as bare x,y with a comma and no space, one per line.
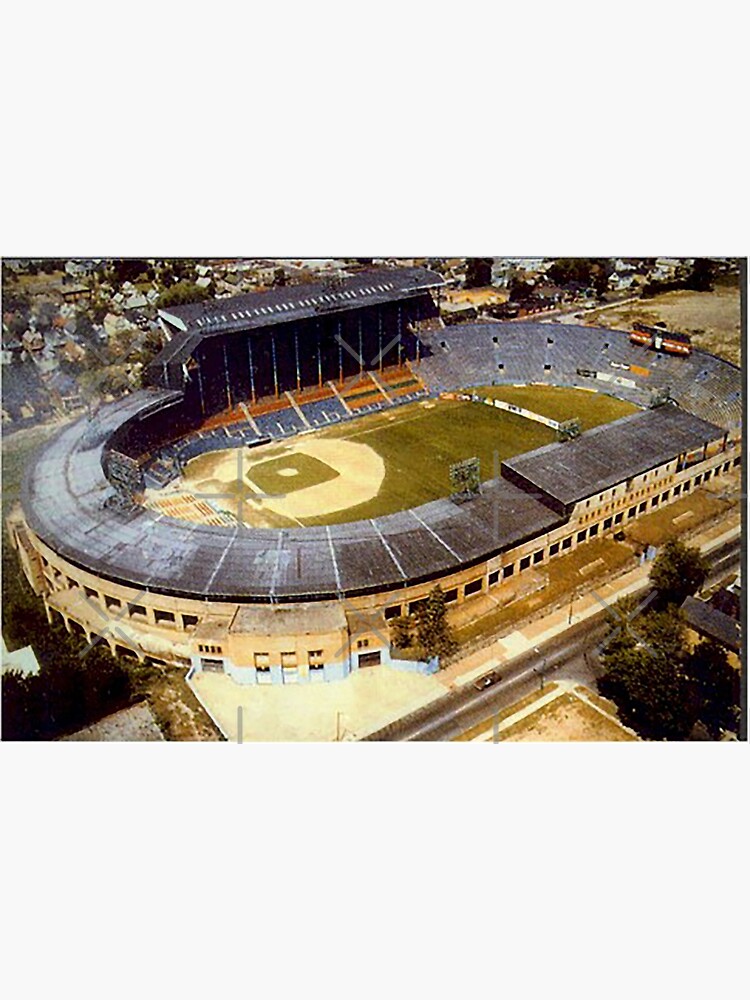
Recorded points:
294,302
600,458
65,493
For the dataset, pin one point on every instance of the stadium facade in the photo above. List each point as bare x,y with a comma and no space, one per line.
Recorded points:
308,604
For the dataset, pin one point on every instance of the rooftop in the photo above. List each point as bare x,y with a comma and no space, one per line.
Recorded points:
714,624
295,620
294,302
65,498
573,470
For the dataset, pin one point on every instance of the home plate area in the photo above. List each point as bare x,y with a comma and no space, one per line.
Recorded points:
276,484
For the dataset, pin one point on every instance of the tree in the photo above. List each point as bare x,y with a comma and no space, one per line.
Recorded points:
478,272
519,290
717,687
402,629
181,294
701,276
279,278
651,694
660,632
678,571
434,634
128,270
71,690
599,279
663,632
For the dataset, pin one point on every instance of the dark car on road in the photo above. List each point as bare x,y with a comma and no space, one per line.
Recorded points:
484,682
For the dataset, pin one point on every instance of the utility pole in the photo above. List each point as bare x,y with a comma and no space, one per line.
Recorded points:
541,671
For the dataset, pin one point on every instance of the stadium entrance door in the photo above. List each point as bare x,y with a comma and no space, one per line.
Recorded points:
369,659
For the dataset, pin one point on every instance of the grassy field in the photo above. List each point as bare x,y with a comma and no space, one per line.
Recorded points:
559,403
419,445
711,318
17,449
419,442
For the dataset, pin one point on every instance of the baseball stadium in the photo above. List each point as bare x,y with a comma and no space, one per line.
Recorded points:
307,463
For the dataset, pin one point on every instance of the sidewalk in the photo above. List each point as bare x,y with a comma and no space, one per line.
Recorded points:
508,647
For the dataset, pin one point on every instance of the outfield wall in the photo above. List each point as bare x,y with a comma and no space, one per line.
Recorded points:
500,404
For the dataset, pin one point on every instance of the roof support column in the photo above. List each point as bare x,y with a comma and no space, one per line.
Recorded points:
275,370
380,338
252,372
226,375
320,360
200,384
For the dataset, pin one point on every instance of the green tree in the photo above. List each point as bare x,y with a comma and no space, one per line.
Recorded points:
181,294
717,687
599,278
402,629
71,690
651,695
663,632
567,269
519,290
701,276
434,634
478,272
678,571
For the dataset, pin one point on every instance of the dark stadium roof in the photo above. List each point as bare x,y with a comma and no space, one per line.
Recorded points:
65,490
711,622
573,470
294,302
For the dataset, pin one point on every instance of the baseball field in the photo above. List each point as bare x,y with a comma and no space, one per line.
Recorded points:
382,462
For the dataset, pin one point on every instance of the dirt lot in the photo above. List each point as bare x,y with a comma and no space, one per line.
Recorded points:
711,318
569,718
476,296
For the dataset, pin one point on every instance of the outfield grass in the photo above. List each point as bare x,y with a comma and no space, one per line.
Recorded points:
418,446
559,403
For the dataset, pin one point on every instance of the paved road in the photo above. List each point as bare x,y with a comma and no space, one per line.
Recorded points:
569,656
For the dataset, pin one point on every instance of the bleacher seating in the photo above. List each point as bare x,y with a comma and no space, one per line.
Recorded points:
472,355
521,353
